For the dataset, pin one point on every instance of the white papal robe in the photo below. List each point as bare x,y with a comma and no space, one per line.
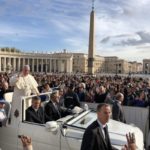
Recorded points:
23,86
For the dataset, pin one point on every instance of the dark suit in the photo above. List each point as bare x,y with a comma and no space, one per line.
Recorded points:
100,98
35,116
71,100
53,113
93,138
117,112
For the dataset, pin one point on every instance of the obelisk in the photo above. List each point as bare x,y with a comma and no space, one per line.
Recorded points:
91,50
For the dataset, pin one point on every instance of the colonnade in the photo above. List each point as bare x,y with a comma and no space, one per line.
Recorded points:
36,64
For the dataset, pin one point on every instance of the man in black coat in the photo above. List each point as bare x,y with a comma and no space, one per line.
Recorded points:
35,112
53,111
100,95
96,136
117,111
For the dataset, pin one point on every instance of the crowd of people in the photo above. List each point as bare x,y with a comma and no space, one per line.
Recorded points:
70,90
136,90
73,89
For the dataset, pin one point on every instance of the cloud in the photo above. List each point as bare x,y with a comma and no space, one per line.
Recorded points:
135,39
105,40
144,38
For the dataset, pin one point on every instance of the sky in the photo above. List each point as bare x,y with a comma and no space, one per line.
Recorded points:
122,27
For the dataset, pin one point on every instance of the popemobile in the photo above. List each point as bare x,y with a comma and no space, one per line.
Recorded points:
63,134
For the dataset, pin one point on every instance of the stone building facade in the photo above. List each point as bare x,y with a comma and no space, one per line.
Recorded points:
105,64
80,63
12,59
135,67
115,65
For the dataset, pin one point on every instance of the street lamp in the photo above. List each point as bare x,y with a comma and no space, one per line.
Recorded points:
146,67
129,70
116,69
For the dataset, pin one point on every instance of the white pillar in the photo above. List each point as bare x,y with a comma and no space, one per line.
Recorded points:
4,63
37,66
0,64
41,65
14,64
50,65
60,66
32,65
9,61
46,65
54,65
19,69
68,66
23,62
65,64
71,64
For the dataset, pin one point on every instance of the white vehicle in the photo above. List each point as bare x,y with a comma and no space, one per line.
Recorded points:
63,134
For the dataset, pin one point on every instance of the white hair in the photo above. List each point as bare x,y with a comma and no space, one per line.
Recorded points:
26,66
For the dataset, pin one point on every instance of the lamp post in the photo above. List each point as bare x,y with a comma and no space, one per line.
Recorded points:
129,70
147,68
116,69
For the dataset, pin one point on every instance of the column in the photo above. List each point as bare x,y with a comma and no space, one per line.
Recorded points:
68,66
54,62
71,64
46,65
9,61
59,65
23,62
41,65
37,66
50,65
149,67
62,66
14,66
4,63
33,65
0,64
19,65
56,65
65,64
